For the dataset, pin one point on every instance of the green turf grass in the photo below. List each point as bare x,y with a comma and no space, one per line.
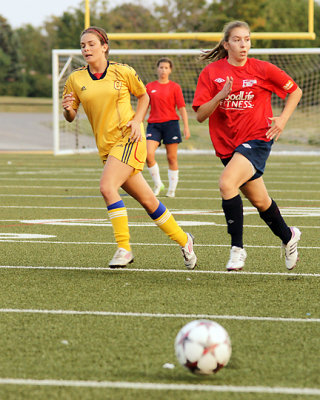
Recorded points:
123,348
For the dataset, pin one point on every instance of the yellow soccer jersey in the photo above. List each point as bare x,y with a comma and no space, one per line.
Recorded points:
106,101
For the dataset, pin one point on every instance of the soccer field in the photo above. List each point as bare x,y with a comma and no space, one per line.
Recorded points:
71,328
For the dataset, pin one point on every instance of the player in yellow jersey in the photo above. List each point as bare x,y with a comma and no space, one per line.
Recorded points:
103,88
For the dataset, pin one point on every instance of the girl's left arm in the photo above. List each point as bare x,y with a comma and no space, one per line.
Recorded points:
280,122
184,116
135,123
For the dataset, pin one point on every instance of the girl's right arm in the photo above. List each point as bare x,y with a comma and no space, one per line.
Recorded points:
206,109
68,112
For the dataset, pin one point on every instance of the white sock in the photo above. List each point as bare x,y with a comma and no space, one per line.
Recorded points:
173,179
155,174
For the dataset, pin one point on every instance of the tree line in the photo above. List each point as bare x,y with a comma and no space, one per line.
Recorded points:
25,52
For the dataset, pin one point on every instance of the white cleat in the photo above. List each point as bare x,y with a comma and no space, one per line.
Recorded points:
121,258
158,188
237,258
171,193
190,259
291,248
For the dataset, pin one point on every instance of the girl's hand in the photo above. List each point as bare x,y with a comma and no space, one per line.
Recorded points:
227,88
67,101
276,129
186,133
135,135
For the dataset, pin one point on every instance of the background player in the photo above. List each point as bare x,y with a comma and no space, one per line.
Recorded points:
103,88
234,92
163,125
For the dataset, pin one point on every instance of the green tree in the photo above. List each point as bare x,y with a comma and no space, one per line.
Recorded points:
181,15
36,50
10,46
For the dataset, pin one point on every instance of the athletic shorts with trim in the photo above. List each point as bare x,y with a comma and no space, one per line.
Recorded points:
257,152
130,153
168,132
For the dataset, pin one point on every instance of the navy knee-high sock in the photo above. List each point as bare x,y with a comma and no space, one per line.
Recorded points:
273,218
233,211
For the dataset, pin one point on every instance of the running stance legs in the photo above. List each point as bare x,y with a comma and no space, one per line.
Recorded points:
116,175
236,175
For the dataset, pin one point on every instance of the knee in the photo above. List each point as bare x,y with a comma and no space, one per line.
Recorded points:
150,160
227,188
150,204
261,204
172,159
106,190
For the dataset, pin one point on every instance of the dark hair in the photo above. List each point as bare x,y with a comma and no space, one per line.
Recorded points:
165,60
100,33
219,52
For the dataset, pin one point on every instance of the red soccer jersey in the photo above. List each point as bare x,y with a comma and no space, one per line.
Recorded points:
164,97
243,115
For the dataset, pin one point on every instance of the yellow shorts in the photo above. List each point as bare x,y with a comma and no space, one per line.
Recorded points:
130,153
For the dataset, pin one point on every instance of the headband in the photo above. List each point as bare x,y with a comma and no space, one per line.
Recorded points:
95,30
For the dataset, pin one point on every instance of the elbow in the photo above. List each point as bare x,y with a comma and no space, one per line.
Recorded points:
298,91
200,118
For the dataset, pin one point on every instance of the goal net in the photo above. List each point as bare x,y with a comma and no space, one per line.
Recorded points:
302,64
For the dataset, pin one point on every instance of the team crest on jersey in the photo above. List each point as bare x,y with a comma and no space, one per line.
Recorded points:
219,80
288,85
249,82
117,85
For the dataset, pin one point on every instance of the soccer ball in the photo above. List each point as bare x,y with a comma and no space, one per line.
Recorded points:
203,346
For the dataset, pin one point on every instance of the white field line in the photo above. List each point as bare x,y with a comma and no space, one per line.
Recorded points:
71,196
96,187
212,212
164,180
161,386
213,174
154,315
178,271
146,244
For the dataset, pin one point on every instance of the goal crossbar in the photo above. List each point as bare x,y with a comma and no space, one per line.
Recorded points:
302,64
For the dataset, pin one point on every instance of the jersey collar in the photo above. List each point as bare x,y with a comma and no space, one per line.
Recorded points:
102,76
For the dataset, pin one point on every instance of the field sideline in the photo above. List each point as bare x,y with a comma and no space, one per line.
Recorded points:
71,328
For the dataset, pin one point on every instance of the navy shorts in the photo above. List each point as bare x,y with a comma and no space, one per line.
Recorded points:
168,132
257,152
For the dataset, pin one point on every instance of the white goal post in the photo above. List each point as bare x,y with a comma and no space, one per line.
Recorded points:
302,64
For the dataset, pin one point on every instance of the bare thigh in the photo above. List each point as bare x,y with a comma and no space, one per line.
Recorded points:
114,174
238,171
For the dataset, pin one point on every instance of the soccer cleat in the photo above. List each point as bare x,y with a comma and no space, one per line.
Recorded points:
121,258
171,193
190,259
158,188
291,250
237,258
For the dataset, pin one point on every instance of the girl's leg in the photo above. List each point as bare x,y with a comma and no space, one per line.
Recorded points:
257,194
153,166
137,187
114,174
236,173
173,171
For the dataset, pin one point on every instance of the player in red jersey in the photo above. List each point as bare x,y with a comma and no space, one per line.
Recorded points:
163,125
234,92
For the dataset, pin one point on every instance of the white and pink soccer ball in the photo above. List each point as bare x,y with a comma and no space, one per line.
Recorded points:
203,346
